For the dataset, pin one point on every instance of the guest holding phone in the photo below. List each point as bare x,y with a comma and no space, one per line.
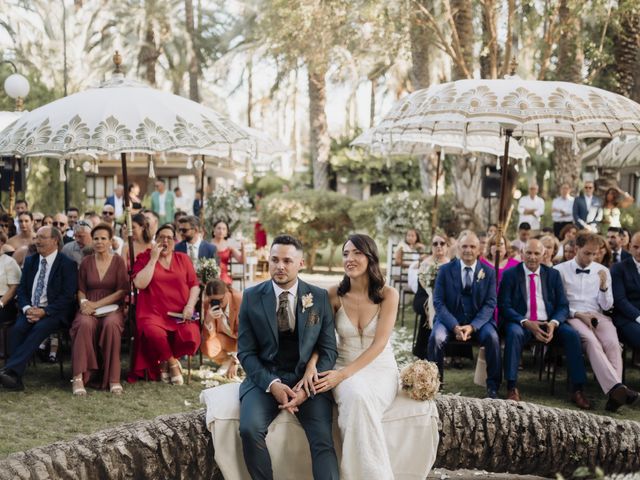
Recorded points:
220,326
167,285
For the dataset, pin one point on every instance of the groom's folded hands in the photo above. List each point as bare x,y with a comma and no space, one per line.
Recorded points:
281,392
292,405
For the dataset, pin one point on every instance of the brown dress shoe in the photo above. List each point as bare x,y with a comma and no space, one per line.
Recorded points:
617,398
632,397
514,395
580,400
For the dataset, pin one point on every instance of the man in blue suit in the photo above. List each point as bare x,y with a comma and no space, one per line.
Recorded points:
192,243
276,338
587,208
46,299
464,298
625,278
533,304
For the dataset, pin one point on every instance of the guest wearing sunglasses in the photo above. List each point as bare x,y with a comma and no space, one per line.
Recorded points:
37,220
61,222
192,243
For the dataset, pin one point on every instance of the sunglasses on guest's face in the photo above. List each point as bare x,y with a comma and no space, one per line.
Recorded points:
183,230
438,244
58,224
107,213
3,225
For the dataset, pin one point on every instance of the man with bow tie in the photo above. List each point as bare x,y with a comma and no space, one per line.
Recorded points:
588,288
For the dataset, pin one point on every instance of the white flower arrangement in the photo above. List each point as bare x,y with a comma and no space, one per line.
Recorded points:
481,275
207,269
307,301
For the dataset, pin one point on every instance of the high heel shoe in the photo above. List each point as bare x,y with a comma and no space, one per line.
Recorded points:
176,379
164,372
77,386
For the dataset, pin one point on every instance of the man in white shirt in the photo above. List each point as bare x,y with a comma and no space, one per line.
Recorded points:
588,288
182,203
562,209
46,299
531,208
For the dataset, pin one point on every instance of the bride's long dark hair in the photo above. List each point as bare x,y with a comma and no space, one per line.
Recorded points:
367,246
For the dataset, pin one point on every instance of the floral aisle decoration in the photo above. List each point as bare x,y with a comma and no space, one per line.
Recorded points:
399,212
421,380
207,269
230,205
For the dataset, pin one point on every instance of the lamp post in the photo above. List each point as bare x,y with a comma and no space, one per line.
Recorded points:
17,87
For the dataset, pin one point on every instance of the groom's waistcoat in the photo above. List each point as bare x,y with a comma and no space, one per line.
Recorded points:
289,353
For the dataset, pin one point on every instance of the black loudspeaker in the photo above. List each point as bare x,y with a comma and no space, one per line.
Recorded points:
5,172
490,182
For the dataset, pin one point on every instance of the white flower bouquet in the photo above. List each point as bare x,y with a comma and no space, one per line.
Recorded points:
207,269
421,380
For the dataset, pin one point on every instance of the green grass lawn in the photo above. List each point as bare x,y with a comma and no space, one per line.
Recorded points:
46,411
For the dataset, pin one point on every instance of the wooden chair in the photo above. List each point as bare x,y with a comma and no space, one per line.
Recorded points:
401,281
238,270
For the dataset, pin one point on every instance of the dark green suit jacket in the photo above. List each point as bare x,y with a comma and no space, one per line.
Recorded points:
258,333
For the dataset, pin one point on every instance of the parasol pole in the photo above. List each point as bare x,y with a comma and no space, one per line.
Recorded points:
131,314
434,213
504,162
202,173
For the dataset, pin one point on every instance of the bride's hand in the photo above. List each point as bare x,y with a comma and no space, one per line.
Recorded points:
328,380
310,377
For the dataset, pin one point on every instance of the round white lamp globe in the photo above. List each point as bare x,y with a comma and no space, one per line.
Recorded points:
16,86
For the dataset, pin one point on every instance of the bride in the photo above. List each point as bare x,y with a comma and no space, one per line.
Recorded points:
365,379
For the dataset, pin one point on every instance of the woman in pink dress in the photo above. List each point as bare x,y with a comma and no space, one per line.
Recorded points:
102,280
224,250
489,259
167,284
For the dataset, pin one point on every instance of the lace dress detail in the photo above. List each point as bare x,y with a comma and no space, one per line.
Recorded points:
362,400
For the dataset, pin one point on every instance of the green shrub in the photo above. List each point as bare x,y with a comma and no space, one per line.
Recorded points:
315,217
232,206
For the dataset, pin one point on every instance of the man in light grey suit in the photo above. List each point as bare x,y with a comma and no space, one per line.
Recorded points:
282,322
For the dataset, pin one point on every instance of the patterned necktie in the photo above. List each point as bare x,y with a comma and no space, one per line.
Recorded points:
467,278
282,314
192,253
615,257
40,283
533,300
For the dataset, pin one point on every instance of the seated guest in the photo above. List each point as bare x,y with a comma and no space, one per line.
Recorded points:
61,222
524,232
614,237
167,284
567,233
46,297
568,250
192,243
625,239
506,262
220,326
26,236
9,279
225,250
587,285
603,256
533,305
102,280
421,280
465,298
625,277
81,246
410,244
153,219
141,237
551,248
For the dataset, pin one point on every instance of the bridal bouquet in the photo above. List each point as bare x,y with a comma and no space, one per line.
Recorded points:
421,380
427,275
207,269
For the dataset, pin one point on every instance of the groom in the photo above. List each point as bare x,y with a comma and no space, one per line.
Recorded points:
282,321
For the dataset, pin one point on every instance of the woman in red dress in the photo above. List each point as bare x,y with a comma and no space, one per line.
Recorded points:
102,281
224,250
167,283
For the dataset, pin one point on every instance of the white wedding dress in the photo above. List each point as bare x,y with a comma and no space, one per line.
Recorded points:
362,400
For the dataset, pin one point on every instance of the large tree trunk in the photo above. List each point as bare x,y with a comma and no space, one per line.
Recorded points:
567,164
192,51
319,140
627,45
492,435
462,11
148,56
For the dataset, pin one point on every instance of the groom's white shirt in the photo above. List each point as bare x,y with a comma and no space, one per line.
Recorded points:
292,312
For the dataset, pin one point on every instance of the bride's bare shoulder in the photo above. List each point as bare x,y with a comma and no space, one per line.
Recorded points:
333,297
389,294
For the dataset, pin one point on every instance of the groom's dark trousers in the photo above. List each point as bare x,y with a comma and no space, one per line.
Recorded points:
267,354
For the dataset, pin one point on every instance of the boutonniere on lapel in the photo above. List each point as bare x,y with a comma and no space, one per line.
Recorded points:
481,275
307,301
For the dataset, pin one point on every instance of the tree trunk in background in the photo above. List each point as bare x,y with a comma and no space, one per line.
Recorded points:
492,435
319,140
489,52
192,51
567,166
627,46
467,174
420,36
149,53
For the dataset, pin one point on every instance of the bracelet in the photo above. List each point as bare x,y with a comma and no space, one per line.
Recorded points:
84,300
605,290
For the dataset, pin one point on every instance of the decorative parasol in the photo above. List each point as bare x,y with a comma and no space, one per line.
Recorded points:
515,107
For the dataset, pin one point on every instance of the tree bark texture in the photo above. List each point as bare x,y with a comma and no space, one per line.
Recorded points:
492,435
319,140
467,189
172,446
627,45
462,11
567,165
194,93
421,39
524,438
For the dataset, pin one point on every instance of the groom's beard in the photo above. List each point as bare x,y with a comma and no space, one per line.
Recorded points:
280,281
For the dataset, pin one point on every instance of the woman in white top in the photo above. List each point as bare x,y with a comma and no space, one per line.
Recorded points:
9,279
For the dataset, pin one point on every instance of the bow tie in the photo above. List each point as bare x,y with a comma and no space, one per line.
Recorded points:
579,270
